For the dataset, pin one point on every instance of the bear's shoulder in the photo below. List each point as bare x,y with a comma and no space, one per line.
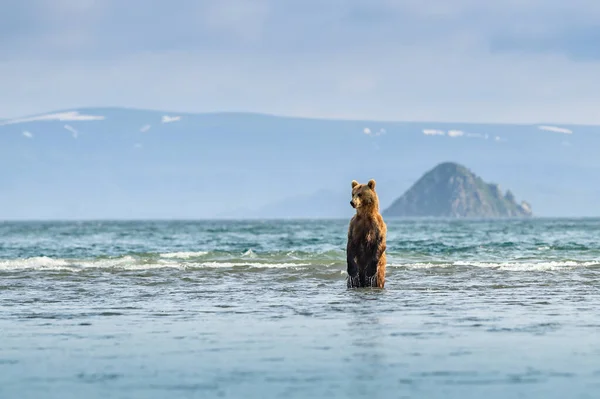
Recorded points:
363,225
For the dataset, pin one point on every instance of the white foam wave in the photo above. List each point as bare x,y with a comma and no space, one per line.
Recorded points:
181,260
183,255
175,260
149,266
47,263
249,254
507,266
220,265
38,262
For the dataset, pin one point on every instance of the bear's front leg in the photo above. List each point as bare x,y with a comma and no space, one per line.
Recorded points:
353,278
377,249
371,272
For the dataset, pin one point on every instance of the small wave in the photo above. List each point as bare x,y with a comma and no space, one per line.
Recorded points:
507,266
183,255
218,265
46,263
128,262
38,262
249,254
204,260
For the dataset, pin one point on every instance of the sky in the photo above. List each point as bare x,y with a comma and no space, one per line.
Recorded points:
507,61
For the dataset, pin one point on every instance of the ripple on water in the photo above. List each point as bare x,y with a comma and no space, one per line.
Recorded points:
93,378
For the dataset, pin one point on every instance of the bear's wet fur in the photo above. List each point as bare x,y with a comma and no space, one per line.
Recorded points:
366,239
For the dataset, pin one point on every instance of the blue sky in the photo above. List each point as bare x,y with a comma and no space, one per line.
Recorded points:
448,60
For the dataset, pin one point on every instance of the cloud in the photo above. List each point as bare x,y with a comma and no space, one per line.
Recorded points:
170,119
137,145
145,128
28,134
73,131
555,129
367,131
237,55
455,133
62,116
243,19
433,132
93,28
560,91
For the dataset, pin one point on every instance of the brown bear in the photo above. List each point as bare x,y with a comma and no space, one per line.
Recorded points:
366,239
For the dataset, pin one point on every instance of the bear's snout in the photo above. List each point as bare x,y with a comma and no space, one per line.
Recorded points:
352,203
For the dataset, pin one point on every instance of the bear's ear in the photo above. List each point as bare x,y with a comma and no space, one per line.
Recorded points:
354,183
371,184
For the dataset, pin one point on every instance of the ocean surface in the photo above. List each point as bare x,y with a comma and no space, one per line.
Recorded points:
260,309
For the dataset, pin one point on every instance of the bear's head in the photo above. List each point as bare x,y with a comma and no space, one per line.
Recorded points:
364,197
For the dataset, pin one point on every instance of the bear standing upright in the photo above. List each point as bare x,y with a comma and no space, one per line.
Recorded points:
366,239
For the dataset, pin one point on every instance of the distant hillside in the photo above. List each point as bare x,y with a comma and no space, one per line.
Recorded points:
113,163
452,190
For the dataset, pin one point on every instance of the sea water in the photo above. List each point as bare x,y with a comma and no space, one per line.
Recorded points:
260,309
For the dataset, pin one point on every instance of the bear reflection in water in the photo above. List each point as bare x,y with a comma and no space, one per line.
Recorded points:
366,239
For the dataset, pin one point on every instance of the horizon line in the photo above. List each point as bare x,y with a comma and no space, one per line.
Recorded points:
279,219
282,116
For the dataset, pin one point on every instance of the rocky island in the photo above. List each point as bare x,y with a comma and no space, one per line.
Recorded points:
453,191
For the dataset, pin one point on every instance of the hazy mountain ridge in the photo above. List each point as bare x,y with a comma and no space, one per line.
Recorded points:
139,164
